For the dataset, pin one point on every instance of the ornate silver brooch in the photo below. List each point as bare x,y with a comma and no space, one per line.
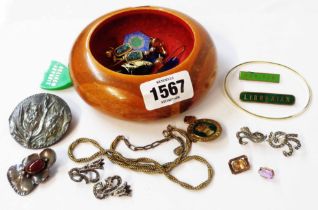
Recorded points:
88,172
277,139
112,187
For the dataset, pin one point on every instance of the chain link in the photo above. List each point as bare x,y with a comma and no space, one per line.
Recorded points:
144,164
147,147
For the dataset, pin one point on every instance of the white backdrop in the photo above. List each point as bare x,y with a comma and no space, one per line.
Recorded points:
32,33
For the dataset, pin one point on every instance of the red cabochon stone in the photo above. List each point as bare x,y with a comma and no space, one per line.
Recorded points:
35,166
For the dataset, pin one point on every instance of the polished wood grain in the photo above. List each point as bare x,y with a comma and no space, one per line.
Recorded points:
119,94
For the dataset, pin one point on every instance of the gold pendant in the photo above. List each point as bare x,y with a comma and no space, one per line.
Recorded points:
202,129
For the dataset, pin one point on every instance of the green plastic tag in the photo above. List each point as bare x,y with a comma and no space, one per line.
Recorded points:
57,77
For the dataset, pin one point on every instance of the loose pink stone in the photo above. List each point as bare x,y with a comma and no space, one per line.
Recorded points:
267,173
35,166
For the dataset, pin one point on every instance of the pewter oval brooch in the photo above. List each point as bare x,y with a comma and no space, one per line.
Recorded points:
202,129
40,121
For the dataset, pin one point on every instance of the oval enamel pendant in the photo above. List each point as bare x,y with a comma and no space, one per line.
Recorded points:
202,129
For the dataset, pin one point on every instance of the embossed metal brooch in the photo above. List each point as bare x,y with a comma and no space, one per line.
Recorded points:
33,170
278,139
40,121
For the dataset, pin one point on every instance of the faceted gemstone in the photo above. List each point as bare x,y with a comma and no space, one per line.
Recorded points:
35,166
239,164
267,173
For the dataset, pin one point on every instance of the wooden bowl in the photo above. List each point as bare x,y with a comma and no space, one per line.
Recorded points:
119,94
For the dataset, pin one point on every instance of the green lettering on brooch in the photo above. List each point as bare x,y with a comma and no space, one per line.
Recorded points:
269,98
262,77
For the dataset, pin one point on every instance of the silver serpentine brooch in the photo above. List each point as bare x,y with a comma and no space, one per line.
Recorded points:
277,139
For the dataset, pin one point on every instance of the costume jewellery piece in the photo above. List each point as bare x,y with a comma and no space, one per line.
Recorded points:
203,129
278,139
80,174
112,187
33,170
266,173
239,164
40,121
148,165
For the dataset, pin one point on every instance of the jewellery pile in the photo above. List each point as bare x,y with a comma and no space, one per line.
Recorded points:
41,120
207,130
33,170
278,139
140,54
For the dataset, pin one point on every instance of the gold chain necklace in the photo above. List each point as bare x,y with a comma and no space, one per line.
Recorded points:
148,165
